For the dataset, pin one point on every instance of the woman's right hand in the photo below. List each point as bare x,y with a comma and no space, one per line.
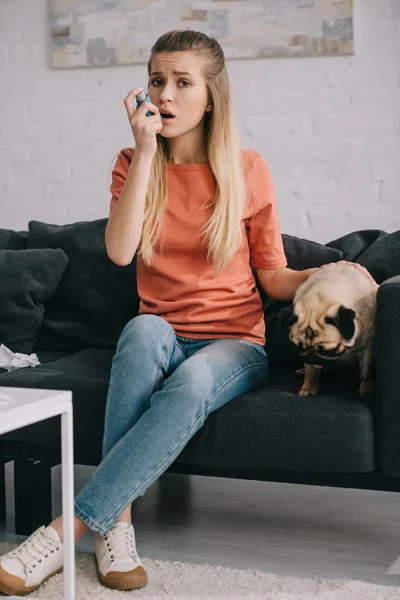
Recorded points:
144,128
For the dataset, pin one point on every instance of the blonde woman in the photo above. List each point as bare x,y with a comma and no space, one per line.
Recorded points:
200,212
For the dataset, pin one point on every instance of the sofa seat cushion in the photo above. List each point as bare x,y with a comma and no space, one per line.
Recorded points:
270,428
46,356
86,373
273,428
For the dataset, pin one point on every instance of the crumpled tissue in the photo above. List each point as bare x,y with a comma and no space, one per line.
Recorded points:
15,360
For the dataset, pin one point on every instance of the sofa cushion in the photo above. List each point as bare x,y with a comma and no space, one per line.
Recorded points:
374,249
46,356
29,278
96,297
13,240
269,428
87,374
382,258
305,254
353,244
273,428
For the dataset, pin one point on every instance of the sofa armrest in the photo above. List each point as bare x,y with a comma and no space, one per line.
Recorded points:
388,375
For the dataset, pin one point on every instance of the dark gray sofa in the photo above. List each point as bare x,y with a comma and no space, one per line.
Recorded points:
62,298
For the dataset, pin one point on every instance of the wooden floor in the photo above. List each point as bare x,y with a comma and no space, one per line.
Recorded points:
286,529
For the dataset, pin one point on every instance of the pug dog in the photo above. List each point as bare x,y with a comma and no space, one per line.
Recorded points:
332,316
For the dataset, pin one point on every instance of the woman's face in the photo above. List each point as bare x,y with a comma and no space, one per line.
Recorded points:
176,83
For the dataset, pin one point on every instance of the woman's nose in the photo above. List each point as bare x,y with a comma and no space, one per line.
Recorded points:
166,94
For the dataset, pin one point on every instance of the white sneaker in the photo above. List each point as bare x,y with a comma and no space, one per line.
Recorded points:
34,561
118,564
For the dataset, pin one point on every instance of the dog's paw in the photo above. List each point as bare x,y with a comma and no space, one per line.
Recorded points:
366,387
308,390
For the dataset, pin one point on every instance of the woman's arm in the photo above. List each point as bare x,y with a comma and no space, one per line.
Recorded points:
281,284
124,227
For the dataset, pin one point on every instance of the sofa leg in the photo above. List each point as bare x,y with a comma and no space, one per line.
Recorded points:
2,483
32,487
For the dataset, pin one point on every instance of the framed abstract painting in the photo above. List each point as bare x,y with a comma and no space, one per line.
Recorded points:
97,33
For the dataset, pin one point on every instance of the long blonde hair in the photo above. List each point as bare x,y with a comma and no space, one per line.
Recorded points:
222,233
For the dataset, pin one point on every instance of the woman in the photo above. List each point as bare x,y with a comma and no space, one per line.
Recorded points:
200,212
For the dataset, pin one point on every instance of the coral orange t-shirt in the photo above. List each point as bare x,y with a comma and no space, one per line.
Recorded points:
181,285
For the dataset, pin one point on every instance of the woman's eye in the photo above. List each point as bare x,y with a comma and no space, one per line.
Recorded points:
155,82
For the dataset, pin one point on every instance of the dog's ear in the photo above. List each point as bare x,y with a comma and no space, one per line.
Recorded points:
287,317
344,321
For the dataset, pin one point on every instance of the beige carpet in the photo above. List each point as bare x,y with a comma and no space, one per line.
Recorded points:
183,581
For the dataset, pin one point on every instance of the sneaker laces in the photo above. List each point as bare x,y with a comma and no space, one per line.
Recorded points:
120,543
32,550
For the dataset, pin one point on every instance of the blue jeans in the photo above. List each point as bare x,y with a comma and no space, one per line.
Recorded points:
162,388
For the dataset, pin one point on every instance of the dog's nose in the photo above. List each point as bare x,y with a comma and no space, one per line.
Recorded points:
309,332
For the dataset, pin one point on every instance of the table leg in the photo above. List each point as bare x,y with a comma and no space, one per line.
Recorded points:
2,483
68,503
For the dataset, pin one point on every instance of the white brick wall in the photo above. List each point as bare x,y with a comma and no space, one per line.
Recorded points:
328,127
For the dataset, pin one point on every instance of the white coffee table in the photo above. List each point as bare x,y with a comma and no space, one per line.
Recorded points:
22,406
